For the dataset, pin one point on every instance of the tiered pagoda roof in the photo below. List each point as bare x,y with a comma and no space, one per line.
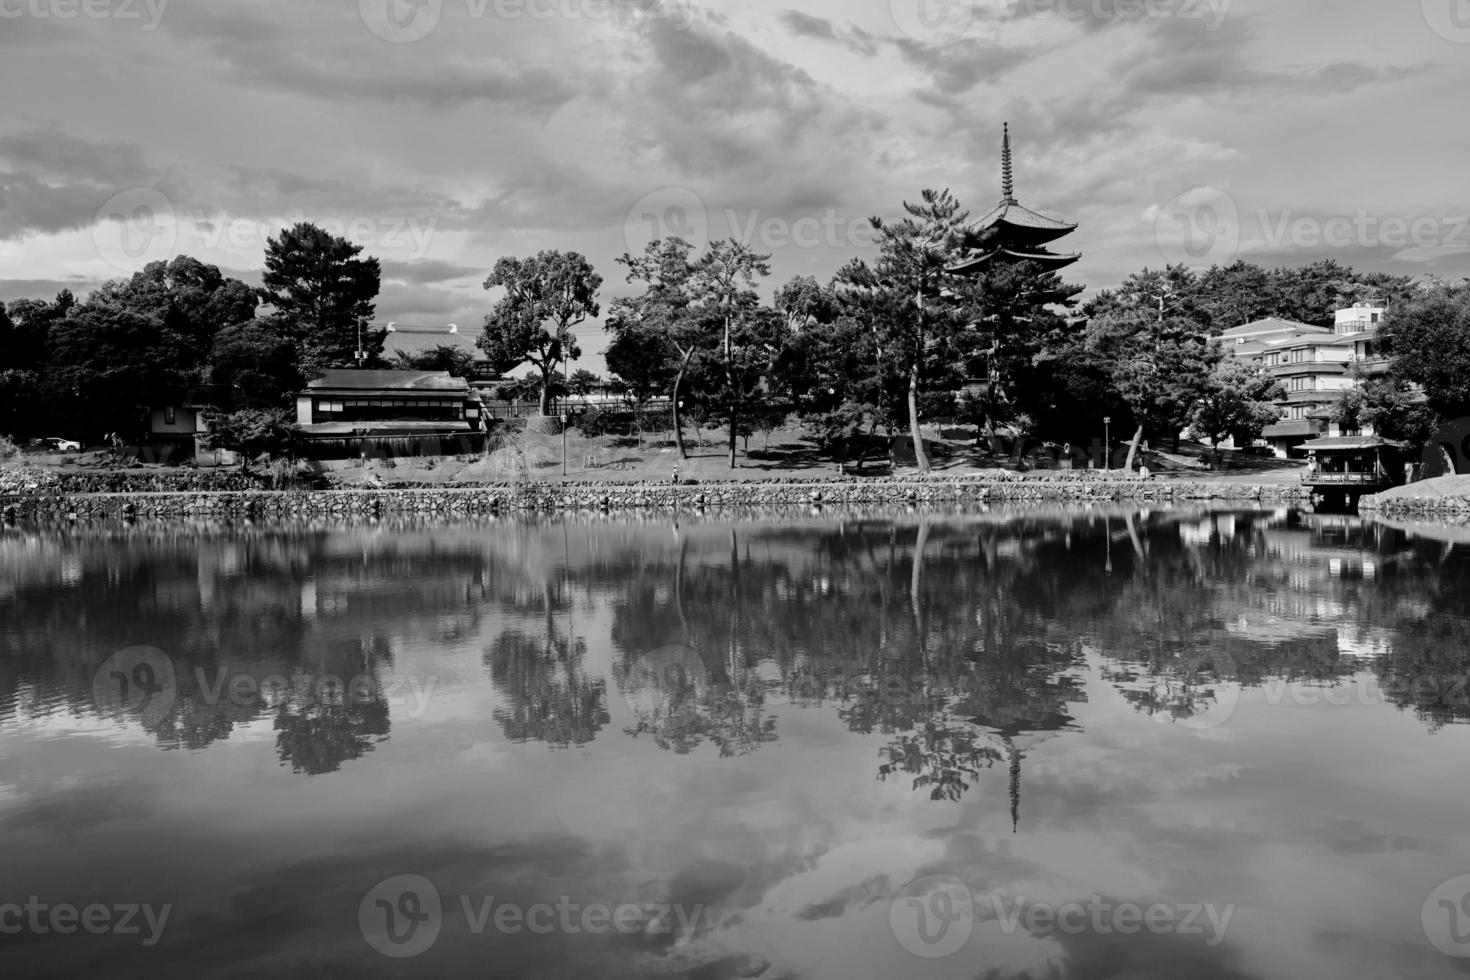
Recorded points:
1011,232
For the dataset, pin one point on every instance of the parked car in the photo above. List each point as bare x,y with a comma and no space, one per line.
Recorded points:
60,445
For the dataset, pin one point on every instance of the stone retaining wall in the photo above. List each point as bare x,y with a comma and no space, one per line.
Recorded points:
558,497
1398,505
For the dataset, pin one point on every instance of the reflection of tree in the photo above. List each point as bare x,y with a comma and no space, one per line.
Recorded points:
680,703
1209,609
943,638
1181,689
273,611
677,694
939,758
338,714
551,699
936,637
1427,670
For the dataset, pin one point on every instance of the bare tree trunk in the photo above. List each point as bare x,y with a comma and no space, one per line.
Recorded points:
1133,449
730,393
914,431
918,357
995,446
678,423
863,445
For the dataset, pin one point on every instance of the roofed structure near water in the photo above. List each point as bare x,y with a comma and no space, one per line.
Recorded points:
1011,232
356,381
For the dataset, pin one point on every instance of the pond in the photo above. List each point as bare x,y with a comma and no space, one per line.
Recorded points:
1038,742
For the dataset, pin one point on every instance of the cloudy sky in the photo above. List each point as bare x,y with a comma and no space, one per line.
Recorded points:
443,134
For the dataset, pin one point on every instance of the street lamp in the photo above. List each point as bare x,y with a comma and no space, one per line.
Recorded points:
1107,442
564,418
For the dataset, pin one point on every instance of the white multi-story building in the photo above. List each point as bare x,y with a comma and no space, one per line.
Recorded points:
1315,365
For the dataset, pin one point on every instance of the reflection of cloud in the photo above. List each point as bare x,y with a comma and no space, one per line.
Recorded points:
864,893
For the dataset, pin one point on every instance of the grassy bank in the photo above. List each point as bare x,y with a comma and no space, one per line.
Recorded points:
786,455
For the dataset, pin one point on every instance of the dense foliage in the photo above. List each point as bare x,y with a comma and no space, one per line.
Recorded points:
181,331
888,344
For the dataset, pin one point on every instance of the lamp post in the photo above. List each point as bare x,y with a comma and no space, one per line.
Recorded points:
1107,442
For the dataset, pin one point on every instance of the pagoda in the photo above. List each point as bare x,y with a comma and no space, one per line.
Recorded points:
1010,233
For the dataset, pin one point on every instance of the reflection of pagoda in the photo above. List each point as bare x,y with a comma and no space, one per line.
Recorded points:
1011,233
1018,735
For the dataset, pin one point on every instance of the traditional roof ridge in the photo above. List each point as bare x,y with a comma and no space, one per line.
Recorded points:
1255,326
1012,212
1328,339
368,378
1351,442
977,260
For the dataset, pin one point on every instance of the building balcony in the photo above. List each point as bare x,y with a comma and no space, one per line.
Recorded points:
1372,365
1308,367
1310,396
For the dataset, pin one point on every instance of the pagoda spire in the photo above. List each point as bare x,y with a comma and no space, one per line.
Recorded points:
1007,180
1011,233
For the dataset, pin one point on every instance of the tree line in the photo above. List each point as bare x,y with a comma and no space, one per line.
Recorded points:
99,365
891,342
885,345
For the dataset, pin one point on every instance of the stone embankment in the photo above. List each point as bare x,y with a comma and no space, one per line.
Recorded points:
1433,499
563,497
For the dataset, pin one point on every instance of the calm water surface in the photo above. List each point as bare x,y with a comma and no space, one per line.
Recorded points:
1089,743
